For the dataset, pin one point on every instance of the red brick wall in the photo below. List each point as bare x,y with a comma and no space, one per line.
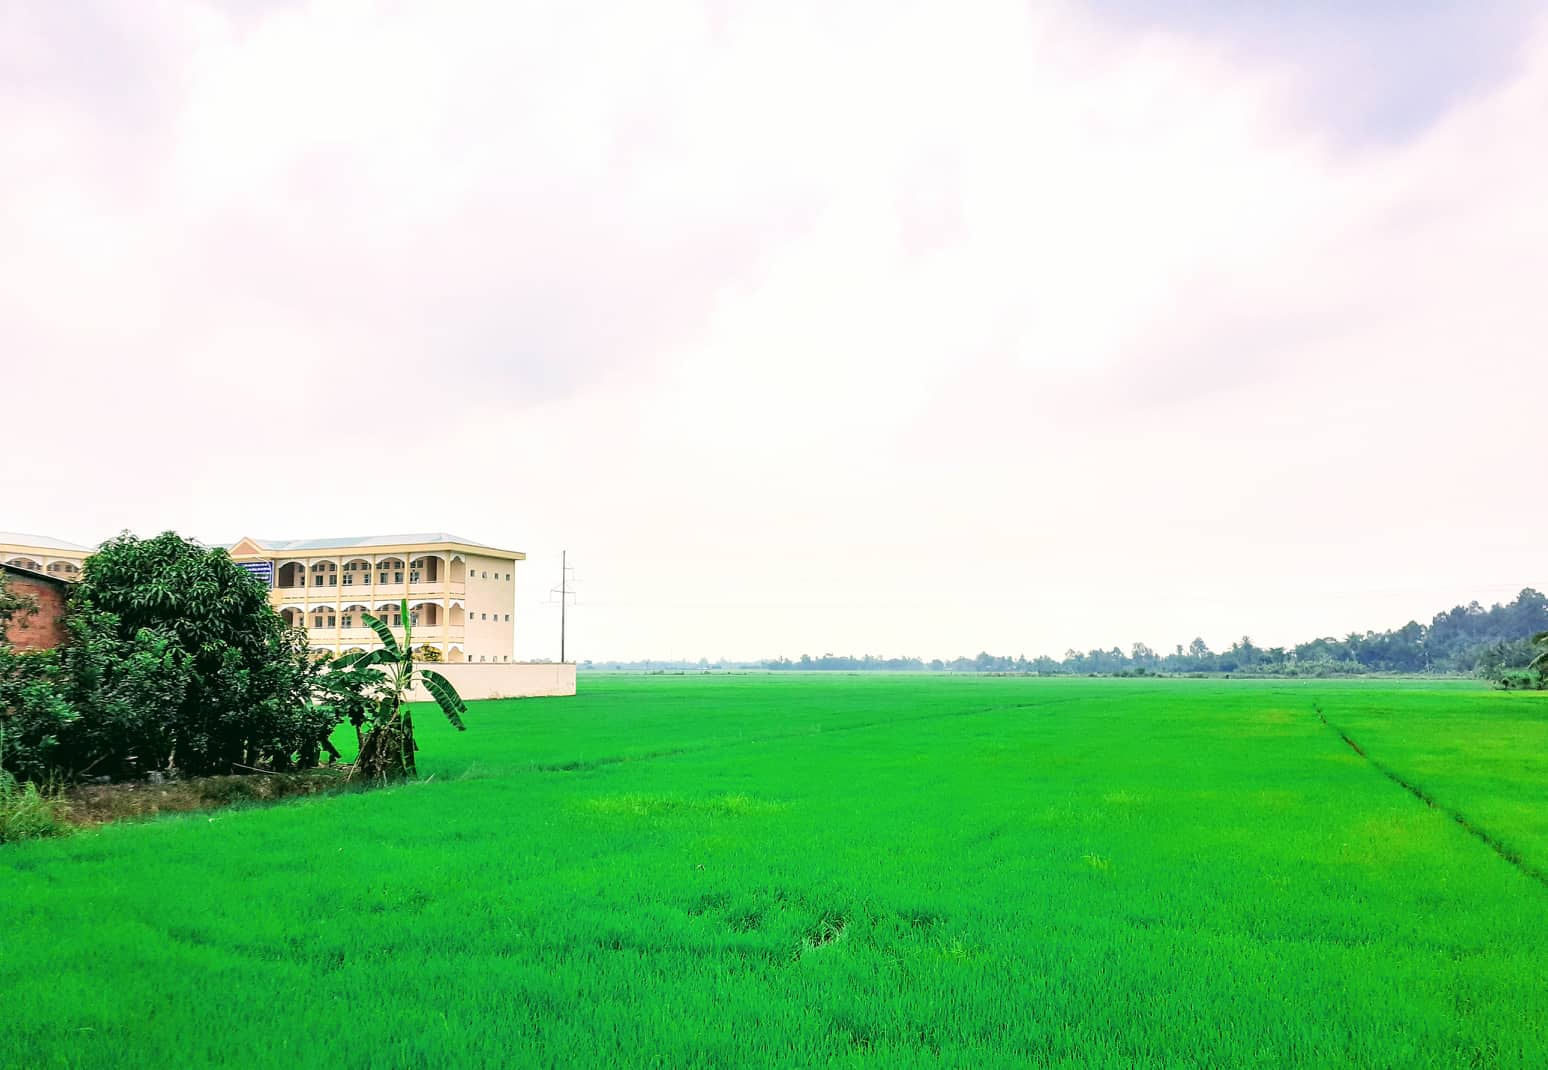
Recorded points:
44,627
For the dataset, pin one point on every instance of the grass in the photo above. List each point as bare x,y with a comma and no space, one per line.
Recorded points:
1484,761
853,871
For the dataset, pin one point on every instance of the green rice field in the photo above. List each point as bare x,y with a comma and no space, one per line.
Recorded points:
806,871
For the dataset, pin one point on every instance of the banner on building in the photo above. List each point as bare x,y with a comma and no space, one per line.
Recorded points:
262,571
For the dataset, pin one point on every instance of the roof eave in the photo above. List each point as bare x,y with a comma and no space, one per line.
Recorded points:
390,548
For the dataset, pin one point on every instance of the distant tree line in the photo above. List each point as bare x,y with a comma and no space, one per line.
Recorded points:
1496,642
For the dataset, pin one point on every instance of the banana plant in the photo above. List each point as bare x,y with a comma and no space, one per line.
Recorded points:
388,749
1540,663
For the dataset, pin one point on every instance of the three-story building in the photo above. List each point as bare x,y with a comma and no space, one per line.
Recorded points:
461,594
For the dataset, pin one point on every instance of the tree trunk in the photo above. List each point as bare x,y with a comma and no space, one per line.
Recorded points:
387,752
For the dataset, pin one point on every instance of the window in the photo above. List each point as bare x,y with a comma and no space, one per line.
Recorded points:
331,621
333,581
483,616
349,579
507,577
486,575
347,620
317,622
413,618
481,657
414,575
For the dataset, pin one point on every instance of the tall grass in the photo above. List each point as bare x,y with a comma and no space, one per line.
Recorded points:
822,872
26,812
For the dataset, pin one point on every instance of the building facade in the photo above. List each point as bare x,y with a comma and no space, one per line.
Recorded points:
39,553
461,594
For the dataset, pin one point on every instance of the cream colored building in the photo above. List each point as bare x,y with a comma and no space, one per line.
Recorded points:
461,594
43,554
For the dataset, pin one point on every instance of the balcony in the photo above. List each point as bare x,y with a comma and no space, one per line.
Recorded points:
365,592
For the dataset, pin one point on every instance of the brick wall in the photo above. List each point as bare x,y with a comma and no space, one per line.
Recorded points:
44,627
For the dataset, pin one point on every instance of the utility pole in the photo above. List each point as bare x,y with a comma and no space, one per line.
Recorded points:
563,591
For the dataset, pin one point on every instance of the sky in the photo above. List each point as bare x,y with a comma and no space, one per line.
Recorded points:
894,328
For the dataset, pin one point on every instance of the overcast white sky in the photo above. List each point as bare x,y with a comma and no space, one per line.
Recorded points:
891,328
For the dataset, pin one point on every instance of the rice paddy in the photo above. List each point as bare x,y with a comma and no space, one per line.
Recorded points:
856,871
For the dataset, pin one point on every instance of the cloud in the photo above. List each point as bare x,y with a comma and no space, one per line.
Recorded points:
866,327
1374,73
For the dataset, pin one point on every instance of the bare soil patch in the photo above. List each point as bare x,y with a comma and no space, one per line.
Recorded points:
89,805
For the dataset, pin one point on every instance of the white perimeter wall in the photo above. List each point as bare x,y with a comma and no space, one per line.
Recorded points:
514,679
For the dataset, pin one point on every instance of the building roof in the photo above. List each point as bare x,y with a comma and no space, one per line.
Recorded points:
358,541
42,542
34,574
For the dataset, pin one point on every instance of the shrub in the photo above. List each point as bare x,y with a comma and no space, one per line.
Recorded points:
35,716
26,812
1520,680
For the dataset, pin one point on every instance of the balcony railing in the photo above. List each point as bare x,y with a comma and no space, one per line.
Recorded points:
446,588
366,638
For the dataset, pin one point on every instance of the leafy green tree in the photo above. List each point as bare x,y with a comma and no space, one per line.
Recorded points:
378,683
177,660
